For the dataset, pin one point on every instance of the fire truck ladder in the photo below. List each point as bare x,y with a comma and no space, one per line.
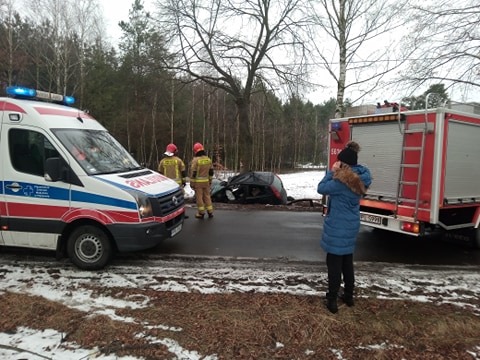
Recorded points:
424,130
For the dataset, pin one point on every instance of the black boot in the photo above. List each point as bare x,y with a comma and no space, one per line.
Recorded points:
347,299
347,296
331,303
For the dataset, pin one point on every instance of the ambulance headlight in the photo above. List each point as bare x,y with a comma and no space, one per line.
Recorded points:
143,203
145,210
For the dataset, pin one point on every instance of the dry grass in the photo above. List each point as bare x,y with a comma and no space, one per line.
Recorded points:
257,326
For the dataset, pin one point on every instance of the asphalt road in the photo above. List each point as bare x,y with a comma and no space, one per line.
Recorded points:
250,234
295,236
281,237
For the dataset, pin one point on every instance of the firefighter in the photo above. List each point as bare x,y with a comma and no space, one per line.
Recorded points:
201,174
173,167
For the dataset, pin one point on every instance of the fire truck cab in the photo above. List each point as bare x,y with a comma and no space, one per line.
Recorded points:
67,185
425,166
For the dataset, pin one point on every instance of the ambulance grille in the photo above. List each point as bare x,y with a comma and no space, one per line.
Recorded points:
167,204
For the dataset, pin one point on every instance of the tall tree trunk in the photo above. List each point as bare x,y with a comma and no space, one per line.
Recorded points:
315,147
204,125
192,118
264,137
245,141
127,122
172,110
226,148
342,76
153,143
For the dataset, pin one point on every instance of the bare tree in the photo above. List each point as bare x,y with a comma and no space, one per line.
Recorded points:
9,43
55,14
69,21
142,55
87,24
446,45
231,44
361,46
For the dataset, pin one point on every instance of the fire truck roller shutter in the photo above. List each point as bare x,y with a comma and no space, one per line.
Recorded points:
381,152
462,168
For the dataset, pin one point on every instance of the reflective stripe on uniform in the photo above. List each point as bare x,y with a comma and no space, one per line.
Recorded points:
202,162
201,179
206,161
172,164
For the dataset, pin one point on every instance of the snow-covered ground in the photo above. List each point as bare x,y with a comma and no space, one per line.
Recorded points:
455,286
299,185
72,287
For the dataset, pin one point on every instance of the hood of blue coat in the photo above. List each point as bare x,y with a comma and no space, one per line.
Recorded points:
357,178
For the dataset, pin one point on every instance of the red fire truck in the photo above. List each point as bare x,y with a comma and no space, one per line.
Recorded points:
425,166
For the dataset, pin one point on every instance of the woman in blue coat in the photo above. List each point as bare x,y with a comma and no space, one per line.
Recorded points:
345,184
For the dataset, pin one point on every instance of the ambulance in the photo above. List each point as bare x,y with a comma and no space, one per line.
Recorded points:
424,165
67,185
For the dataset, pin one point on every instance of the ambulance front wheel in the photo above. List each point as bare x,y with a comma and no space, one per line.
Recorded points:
89,247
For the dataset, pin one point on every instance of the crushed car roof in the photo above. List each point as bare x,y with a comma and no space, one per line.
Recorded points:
252,178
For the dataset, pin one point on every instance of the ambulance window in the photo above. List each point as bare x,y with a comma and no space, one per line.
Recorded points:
96,151
28,151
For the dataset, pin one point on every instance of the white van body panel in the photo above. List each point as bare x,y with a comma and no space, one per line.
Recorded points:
136,207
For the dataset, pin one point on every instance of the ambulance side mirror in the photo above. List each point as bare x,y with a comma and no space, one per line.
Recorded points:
53,168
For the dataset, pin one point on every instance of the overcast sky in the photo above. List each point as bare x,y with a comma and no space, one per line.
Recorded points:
117,10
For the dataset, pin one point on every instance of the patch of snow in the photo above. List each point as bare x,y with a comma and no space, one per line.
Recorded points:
458,286
40,345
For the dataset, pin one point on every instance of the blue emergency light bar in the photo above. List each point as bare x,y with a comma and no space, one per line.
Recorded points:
336,126
27,93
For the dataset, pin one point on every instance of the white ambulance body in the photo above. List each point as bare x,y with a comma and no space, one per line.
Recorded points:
67,185
425,166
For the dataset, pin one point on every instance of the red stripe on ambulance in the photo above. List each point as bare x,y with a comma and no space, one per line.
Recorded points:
7,106
61,112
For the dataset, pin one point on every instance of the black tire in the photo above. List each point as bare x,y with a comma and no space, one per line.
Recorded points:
476,238
89,247
380,232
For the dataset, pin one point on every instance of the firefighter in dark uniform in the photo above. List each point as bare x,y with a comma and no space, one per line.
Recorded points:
201,175
173,167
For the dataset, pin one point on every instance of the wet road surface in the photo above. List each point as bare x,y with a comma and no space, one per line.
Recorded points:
295,236
280,237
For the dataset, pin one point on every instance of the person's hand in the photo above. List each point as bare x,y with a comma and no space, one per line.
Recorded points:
337,165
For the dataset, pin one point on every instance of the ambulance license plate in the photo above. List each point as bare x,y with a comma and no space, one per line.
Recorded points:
372,219
176,230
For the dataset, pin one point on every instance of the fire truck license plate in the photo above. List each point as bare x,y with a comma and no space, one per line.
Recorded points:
371,219
176,230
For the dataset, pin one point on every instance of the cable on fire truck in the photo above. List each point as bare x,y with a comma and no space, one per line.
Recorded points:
400,117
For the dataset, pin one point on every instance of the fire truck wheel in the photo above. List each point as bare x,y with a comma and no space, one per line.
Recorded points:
89,247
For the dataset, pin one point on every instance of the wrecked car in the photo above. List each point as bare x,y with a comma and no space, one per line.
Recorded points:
254,187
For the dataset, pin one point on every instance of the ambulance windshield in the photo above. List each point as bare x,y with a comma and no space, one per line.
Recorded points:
96,151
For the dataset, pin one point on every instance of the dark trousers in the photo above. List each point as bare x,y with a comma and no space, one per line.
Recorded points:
337,266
